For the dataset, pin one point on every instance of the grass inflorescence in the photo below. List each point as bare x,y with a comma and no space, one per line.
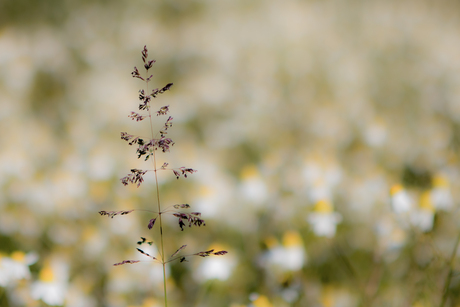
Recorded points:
147,148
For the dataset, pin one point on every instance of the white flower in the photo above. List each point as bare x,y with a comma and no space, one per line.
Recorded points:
423,217
290,256
15,267
324,220
253,188
53,283
214,193
321,176
215,267
294,251
400,200
391,237
441,196
375,134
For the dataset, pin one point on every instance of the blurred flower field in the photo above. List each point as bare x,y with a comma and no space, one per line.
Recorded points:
326,135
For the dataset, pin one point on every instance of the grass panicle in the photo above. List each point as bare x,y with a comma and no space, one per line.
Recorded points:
148,148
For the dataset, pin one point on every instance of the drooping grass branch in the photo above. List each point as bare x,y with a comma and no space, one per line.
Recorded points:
174,256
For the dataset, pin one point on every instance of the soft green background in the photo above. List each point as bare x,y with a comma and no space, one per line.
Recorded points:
274,102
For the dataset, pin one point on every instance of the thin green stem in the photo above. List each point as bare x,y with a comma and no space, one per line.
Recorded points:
161,232
162,252
451,271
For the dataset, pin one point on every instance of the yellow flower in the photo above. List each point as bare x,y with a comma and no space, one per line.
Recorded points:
18,256
249,172
292,238
323,206
46,274
440,181
396,189
262,301
425,202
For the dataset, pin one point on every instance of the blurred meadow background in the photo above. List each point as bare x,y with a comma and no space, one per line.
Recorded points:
325,135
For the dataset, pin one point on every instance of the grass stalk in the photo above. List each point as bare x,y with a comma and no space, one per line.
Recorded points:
451,272
161,231
162,252
148,148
